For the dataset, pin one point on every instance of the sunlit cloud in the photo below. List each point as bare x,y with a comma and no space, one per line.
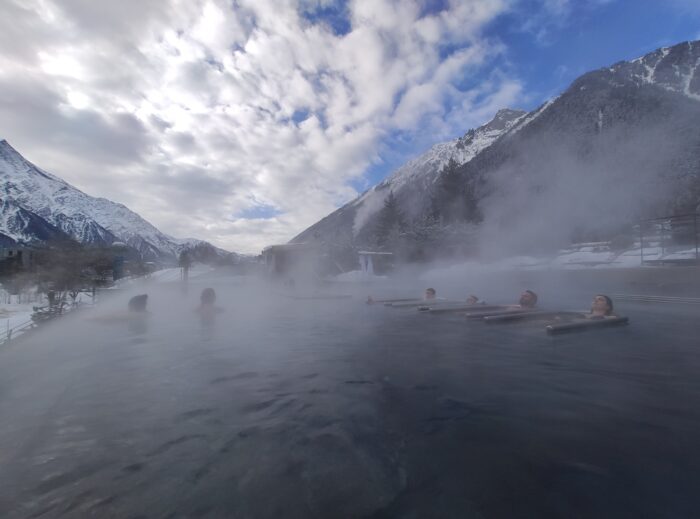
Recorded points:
240,125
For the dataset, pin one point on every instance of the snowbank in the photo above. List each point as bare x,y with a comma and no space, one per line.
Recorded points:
169,275
357,276
578,256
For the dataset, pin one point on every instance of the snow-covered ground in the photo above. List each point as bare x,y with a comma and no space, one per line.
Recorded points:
357,276
16,311
581,256
164,276
14,316
601,255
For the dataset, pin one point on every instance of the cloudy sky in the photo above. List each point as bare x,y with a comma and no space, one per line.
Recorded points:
242,122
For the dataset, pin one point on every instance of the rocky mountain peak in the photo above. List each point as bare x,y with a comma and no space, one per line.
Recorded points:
653,93
673,68
43,202
504,118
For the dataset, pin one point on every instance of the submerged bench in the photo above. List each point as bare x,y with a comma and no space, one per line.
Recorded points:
585,324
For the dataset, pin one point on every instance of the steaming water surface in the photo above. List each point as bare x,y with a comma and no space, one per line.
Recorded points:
283,407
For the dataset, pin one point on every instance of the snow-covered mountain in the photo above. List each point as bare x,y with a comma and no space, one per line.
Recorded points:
38,206
422,172
623,126
672,68
425,168
17,225
411,183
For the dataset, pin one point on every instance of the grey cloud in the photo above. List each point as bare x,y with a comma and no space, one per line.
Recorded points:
197,188
184,142
18,21
189,108
115,21
159,123
33,112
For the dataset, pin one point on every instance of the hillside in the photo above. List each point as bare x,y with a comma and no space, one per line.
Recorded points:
620,144
38,207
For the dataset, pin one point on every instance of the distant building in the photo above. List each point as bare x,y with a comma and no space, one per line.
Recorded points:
23,255
291,260
375,263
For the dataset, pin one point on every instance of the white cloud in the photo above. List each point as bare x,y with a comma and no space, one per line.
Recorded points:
542,18
191,112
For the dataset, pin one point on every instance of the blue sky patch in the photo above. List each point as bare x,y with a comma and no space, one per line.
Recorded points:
547,51
300,116
259,212
334,16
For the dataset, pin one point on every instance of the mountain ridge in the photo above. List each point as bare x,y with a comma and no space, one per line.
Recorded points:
418,174
86,219
628,103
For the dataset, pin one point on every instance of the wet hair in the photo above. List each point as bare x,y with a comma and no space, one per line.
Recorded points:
430,291
534,298
208,296
138,303
609,311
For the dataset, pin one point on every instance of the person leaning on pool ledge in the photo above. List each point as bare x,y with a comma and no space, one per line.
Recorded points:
601,308
528,299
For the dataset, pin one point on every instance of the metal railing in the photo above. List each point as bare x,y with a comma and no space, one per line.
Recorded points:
41,315
673,240
9,332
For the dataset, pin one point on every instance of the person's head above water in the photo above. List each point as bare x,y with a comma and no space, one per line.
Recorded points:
429,293
602,305
208,297
528,299
472,300
138,303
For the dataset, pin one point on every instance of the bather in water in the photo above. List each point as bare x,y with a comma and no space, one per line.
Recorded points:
136,311
207,308
601,315
137,304
528,300
526,305
136,317
601,308
474,300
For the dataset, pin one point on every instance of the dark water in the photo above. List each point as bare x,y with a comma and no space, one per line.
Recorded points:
300,408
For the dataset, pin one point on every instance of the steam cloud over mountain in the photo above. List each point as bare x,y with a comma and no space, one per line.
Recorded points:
621,143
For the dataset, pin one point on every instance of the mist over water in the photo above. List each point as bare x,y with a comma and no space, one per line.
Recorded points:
282,405
566,187
304,396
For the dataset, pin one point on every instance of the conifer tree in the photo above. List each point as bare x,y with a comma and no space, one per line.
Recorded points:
390,223
455,199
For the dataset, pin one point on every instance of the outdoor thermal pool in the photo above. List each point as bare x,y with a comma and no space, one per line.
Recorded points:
299,408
